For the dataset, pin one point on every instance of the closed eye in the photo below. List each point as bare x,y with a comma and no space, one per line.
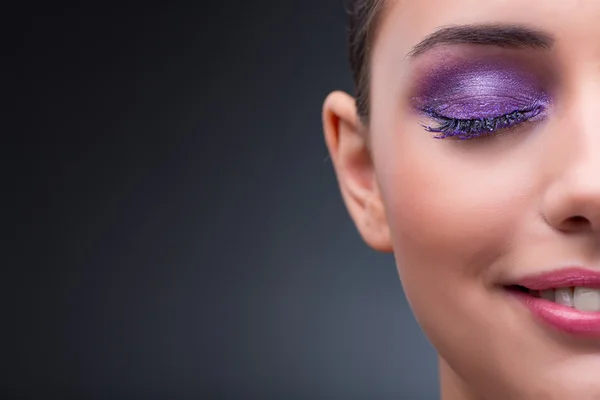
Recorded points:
473,128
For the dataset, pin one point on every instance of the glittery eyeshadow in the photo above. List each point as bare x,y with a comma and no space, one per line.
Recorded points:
476,90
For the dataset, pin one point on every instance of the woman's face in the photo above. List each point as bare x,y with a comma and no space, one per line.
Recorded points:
511,192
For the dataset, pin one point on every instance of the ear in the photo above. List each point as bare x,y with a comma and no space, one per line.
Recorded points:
348,146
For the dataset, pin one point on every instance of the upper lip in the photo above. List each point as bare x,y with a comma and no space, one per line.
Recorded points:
567,277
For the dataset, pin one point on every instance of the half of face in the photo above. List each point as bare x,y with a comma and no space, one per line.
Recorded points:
479,170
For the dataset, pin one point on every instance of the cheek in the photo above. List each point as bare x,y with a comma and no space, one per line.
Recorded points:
453,209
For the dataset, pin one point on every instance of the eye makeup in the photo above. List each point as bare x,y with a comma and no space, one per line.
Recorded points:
476,98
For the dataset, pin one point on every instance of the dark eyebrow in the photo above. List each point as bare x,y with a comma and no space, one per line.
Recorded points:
512,36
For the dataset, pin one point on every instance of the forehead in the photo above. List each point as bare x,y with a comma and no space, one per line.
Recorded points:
405,22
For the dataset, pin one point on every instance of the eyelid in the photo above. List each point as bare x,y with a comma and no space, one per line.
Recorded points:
480,95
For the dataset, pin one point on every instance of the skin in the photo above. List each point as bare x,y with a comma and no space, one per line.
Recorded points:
463,216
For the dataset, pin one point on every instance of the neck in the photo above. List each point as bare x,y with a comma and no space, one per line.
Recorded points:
452,386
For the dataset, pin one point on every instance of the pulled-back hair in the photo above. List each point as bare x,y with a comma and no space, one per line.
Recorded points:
363,20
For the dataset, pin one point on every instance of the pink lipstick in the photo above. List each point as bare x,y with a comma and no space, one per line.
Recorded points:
567,299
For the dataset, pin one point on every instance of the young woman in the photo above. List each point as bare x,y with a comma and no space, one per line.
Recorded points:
472,152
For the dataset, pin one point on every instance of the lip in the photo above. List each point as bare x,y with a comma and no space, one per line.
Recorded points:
568,277
561,317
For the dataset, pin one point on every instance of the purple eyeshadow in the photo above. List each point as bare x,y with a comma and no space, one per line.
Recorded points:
479,90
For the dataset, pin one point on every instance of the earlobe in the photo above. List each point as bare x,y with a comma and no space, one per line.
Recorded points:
348,146
377,232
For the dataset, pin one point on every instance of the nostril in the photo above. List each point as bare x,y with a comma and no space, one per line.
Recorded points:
577,222
578,219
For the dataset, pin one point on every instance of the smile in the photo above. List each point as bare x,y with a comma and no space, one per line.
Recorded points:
568,300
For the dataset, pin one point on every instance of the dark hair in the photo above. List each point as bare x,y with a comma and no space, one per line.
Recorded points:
363,20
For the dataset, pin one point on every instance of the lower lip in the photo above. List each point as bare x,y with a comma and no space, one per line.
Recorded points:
563,318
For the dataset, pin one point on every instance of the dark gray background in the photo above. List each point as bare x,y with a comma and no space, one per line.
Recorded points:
177,230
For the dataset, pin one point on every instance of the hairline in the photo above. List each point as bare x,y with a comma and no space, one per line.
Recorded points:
368,32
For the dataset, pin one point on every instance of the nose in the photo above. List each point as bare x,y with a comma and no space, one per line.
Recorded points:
574,207
571,202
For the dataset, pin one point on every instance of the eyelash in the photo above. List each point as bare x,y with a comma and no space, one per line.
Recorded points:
466,129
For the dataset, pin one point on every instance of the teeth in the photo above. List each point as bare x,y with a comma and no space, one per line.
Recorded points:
564,296
580,298
586,299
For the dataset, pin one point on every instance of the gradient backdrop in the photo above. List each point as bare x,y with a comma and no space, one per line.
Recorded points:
177,231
